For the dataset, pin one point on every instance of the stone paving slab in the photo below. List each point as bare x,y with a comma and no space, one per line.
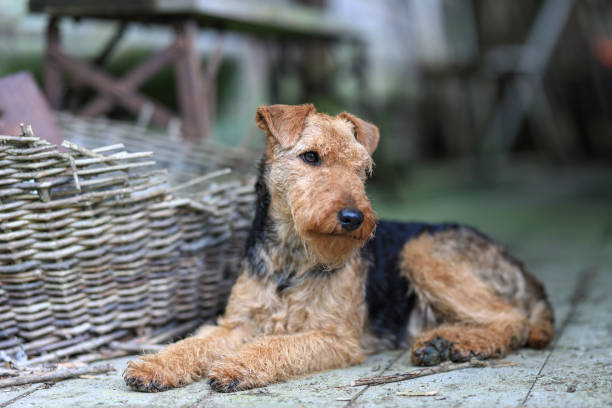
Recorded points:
483,387
579,370
109,390
6,395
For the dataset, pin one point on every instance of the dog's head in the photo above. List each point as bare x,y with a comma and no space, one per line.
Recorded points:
317,167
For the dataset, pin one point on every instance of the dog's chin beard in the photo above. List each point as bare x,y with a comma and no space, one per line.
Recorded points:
331,249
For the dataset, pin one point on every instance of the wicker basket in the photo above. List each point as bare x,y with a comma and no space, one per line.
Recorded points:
94,244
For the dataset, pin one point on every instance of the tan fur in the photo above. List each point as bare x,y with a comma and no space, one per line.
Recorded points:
185,361
481,301
316,325
479,295
264,338
294,184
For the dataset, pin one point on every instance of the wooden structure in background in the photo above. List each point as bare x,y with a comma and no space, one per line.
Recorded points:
195,86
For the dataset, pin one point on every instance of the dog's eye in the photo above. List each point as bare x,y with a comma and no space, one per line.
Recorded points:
311,158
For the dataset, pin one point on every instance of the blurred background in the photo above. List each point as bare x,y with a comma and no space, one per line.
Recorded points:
494,113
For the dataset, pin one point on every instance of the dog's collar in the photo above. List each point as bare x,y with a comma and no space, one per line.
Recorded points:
318,271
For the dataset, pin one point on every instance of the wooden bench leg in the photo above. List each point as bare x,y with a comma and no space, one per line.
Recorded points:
210,83
52,74
189,83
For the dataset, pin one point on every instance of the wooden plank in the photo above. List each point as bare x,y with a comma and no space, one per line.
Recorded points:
261,17
88,6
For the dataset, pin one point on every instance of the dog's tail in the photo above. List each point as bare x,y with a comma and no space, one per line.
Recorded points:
541,324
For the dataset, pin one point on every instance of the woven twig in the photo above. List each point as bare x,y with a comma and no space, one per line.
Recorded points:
94,246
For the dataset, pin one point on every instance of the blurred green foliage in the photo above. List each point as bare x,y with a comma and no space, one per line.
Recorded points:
22,61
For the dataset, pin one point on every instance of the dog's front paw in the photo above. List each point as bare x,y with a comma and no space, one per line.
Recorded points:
438,350
230,376
148,376
431,352
222,384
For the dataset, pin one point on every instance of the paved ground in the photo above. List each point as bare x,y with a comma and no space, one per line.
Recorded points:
561,225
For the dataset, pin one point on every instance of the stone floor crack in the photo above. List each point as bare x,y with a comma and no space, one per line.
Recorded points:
381,372
20,396
579,294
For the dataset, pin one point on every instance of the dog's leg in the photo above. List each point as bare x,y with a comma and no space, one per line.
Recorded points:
183,362
276,358
476,320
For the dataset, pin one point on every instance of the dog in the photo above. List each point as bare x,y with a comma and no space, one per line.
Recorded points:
323,283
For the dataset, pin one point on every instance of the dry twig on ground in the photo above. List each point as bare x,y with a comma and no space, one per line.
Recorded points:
55,375
421,372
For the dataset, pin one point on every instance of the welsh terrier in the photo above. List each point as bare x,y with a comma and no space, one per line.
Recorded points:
323,282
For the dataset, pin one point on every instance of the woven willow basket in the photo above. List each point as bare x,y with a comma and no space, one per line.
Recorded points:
95,246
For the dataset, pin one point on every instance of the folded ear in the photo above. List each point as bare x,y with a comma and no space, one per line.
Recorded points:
284,122
366,133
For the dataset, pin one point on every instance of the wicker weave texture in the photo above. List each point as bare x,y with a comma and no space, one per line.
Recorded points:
94,242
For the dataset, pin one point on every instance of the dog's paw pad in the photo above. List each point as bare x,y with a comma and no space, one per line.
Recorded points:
219,385
432,352
459,356
144,386
143,376
231,375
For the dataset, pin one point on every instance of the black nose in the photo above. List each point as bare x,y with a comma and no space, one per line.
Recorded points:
350,218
